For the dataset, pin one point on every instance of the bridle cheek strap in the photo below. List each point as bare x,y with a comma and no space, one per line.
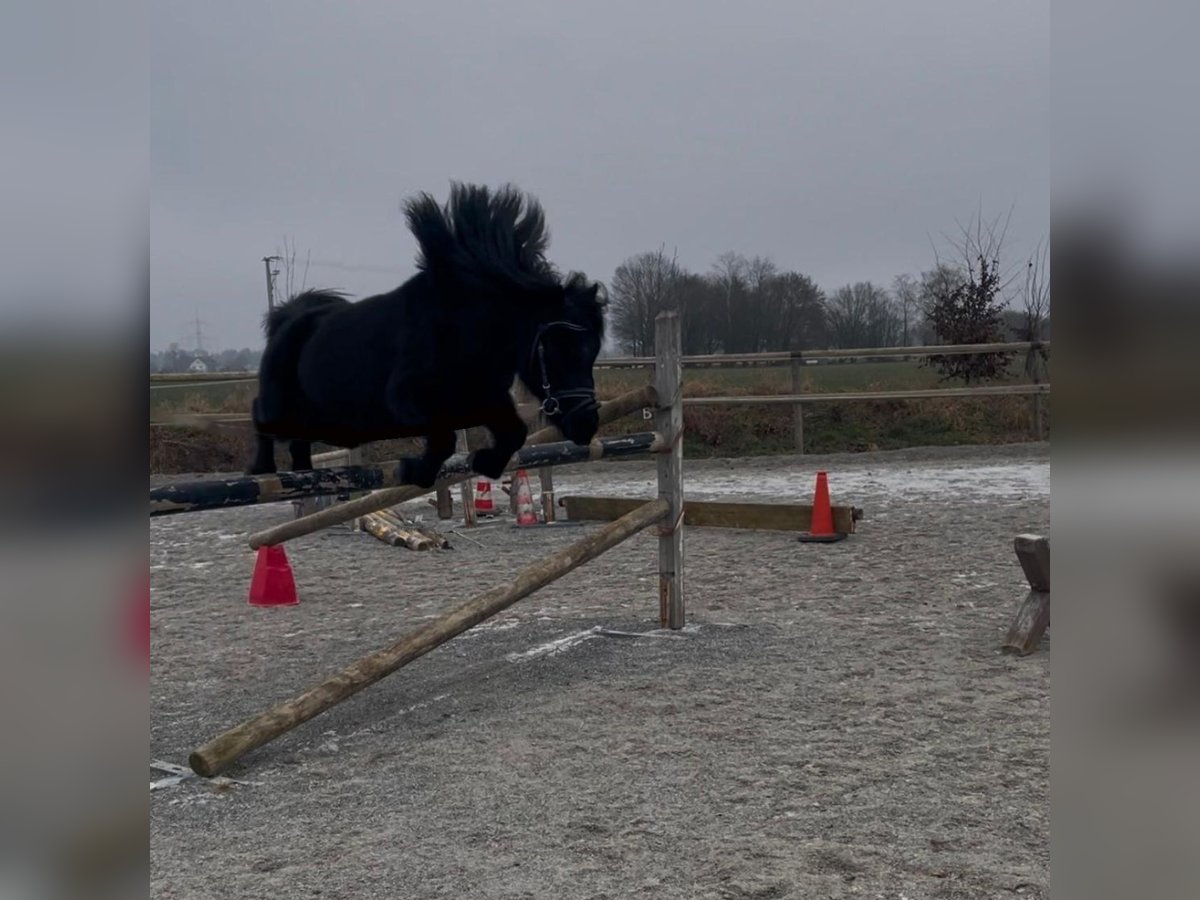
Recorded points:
552,404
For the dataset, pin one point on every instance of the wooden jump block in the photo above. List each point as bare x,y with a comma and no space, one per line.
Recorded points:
1032,619
712,514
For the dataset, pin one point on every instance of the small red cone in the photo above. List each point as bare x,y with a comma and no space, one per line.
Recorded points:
483,498
272,584
525,513
821,529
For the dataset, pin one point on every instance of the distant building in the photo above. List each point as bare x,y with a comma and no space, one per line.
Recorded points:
198,365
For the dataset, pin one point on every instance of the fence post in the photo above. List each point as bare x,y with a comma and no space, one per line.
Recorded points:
464,444
798,409
1033,366
668,378
445,503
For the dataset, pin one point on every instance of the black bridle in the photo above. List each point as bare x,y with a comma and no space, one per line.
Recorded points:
585,398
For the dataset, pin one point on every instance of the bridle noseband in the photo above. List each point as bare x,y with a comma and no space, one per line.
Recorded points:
552,404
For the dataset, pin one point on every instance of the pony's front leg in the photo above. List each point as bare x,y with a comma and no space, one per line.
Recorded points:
301,453
508,436
423,471
264,456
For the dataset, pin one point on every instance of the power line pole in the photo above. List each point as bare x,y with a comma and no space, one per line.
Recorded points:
267,260
199,335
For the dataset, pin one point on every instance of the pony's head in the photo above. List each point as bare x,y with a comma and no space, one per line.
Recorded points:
562,352
490,246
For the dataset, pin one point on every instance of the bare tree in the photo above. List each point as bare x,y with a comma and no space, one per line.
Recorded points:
804,324
642,287
292,284
862,315
966,301
906,293
981,243
730,277
1035,297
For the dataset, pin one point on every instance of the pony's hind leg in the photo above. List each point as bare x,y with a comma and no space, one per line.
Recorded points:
264,456
423,471
508,436
301,452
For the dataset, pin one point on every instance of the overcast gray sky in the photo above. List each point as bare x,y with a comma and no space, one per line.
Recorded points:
835,137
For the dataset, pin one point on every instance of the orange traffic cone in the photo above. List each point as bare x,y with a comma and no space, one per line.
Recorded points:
272,584
525,513
821,529
483,498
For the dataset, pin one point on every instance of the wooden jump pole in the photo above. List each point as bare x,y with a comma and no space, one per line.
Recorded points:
617,408
226,748
194,496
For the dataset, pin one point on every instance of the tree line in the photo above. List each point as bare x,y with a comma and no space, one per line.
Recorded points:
178,359
749,305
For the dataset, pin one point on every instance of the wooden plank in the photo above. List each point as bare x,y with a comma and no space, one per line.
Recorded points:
1033,616
609,412
713,514
668,421
227,748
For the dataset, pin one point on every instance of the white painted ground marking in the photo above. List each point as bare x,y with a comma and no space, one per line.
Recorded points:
179,774
554,647
572,640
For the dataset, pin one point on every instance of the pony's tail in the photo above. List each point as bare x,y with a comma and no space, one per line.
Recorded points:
308,303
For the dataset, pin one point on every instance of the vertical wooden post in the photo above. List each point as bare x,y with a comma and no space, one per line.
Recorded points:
668,380
445,503
463,444
1033,365
798,409
546,476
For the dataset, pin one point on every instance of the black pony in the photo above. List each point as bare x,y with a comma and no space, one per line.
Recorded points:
440,352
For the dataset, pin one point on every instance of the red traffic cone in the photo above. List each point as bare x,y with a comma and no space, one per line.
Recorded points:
483,497
821,529
525,513
272,584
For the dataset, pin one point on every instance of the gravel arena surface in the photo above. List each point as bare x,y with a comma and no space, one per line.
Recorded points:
835,721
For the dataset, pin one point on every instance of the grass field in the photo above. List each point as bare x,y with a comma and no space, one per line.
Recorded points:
711,431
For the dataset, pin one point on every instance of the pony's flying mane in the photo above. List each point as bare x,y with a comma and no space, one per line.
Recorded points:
483,239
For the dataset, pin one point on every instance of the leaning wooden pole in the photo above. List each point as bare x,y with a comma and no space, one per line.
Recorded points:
614,409
223,750
668,376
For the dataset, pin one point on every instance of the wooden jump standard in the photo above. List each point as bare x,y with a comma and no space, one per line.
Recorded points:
192,496
1033,616
617,408
225,749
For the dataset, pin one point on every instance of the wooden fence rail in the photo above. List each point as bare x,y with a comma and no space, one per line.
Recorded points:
164,380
